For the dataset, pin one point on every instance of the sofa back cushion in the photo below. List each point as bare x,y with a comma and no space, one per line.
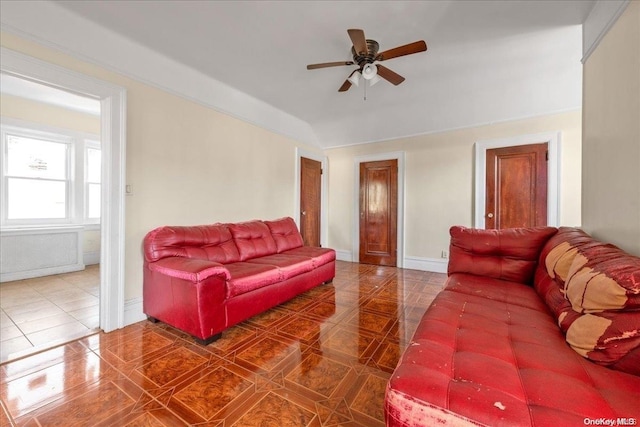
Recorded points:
285,233
210,242
507,254
253,239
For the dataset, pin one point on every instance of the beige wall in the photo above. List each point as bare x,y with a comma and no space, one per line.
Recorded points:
37,112
439,179
186,163
611,130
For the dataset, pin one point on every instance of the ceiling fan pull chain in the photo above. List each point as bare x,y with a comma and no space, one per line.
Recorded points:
365,90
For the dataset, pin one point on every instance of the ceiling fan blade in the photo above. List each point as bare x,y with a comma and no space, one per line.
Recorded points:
389,75
328,64
407,49
347,84
358,40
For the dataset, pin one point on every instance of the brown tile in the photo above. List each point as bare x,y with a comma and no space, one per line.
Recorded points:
99,403
267,353
210,393
171,366
273,410
319,374
370,399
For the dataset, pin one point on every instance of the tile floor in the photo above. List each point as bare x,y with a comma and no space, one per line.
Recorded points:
322,359
44,311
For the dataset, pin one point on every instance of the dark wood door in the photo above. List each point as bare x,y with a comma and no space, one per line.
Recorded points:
516,186
378,212
310,194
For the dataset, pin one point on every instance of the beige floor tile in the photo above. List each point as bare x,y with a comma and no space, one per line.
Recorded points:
31,326
57,333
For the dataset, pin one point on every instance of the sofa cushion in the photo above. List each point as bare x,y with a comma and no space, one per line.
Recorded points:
499,363
319,256
210,242
289,265
508,254
604,291
558,253
285,233
593,289
246,277
253,239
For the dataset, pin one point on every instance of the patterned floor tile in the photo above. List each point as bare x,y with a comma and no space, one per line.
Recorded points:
322,359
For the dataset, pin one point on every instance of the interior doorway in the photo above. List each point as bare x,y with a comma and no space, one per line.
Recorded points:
112,100
516,186
50,281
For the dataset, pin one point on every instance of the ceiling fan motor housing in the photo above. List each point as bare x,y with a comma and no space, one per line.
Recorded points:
363,58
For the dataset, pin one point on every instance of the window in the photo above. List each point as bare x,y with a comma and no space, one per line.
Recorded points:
49,178
37,178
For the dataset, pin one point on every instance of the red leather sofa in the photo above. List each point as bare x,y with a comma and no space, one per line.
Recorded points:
534,327
205,279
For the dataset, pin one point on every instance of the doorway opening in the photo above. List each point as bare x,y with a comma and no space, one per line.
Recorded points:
112,100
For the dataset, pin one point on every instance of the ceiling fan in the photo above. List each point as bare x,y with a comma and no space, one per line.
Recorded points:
365,54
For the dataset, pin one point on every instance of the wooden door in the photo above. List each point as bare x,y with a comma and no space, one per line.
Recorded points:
378,212
310,194
516,188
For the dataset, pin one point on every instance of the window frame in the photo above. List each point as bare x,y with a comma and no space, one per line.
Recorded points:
75,171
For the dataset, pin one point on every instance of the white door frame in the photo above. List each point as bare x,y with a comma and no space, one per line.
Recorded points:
553,172
113,140
396,155
300,153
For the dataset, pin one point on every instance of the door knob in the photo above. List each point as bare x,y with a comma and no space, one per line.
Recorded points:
303,212
489,215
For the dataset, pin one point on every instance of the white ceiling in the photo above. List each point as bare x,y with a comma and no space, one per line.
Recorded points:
487,61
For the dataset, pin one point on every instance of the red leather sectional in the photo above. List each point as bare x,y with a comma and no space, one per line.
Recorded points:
205,279
534,327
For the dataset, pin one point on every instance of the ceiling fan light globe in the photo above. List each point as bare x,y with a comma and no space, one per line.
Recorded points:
369,71
375,79
355,78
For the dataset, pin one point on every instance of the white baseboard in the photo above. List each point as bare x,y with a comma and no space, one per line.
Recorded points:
133,311
435,265
91,258
48,271
342,255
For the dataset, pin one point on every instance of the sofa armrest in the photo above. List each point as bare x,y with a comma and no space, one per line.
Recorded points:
192,270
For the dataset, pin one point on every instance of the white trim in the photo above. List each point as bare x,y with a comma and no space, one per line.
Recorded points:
435,265
113,140
344,255
133,311
324,211
553,172
396,155
600,20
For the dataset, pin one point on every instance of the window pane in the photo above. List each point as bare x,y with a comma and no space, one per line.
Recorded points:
93,165
93,201
36,199
35,158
